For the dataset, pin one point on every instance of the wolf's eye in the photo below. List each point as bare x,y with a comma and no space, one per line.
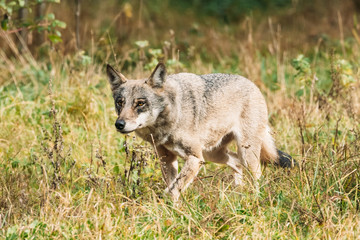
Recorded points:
119,102
140,103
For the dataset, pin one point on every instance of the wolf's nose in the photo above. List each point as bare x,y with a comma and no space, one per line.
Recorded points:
120,124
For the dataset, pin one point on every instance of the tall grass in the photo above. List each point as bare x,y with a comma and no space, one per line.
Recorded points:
66,174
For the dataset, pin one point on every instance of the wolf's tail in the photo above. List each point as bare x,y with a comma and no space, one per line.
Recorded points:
269,153
285,160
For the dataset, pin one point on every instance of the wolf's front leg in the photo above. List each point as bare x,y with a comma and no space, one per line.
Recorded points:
169,164
185,177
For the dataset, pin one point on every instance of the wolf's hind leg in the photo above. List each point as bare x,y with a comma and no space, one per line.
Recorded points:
186,176
250,155
238,175
169,164
223,156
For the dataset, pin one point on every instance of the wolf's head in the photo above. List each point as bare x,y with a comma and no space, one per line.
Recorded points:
138,103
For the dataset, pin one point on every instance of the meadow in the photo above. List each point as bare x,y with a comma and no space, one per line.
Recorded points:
65,173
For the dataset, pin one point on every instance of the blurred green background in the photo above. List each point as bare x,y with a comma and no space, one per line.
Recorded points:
193,23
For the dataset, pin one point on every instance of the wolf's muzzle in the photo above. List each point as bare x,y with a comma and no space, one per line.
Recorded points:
120,124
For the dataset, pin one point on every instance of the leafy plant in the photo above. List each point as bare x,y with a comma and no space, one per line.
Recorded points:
345,71
304,75
40,23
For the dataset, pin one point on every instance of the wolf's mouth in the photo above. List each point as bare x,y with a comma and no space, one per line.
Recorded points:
124,132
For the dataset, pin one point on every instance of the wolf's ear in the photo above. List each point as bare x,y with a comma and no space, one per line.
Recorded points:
115,78
158,76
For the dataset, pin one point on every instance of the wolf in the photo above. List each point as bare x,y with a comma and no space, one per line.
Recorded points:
195,117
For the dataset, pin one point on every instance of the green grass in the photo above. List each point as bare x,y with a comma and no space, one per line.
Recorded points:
65,173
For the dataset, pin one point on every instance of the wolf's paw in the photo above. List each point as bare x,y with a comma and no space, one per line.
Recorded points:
174,193
239,180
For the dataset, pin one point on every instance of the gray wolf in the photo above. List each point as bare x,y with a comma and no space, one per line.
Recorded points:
196,117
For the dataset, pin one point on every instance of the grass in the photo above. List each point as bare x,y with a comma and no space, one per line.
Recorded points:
65,173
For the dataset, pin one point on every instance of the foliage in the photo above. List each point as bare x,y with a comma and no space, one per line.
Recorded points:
43,23
303,74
